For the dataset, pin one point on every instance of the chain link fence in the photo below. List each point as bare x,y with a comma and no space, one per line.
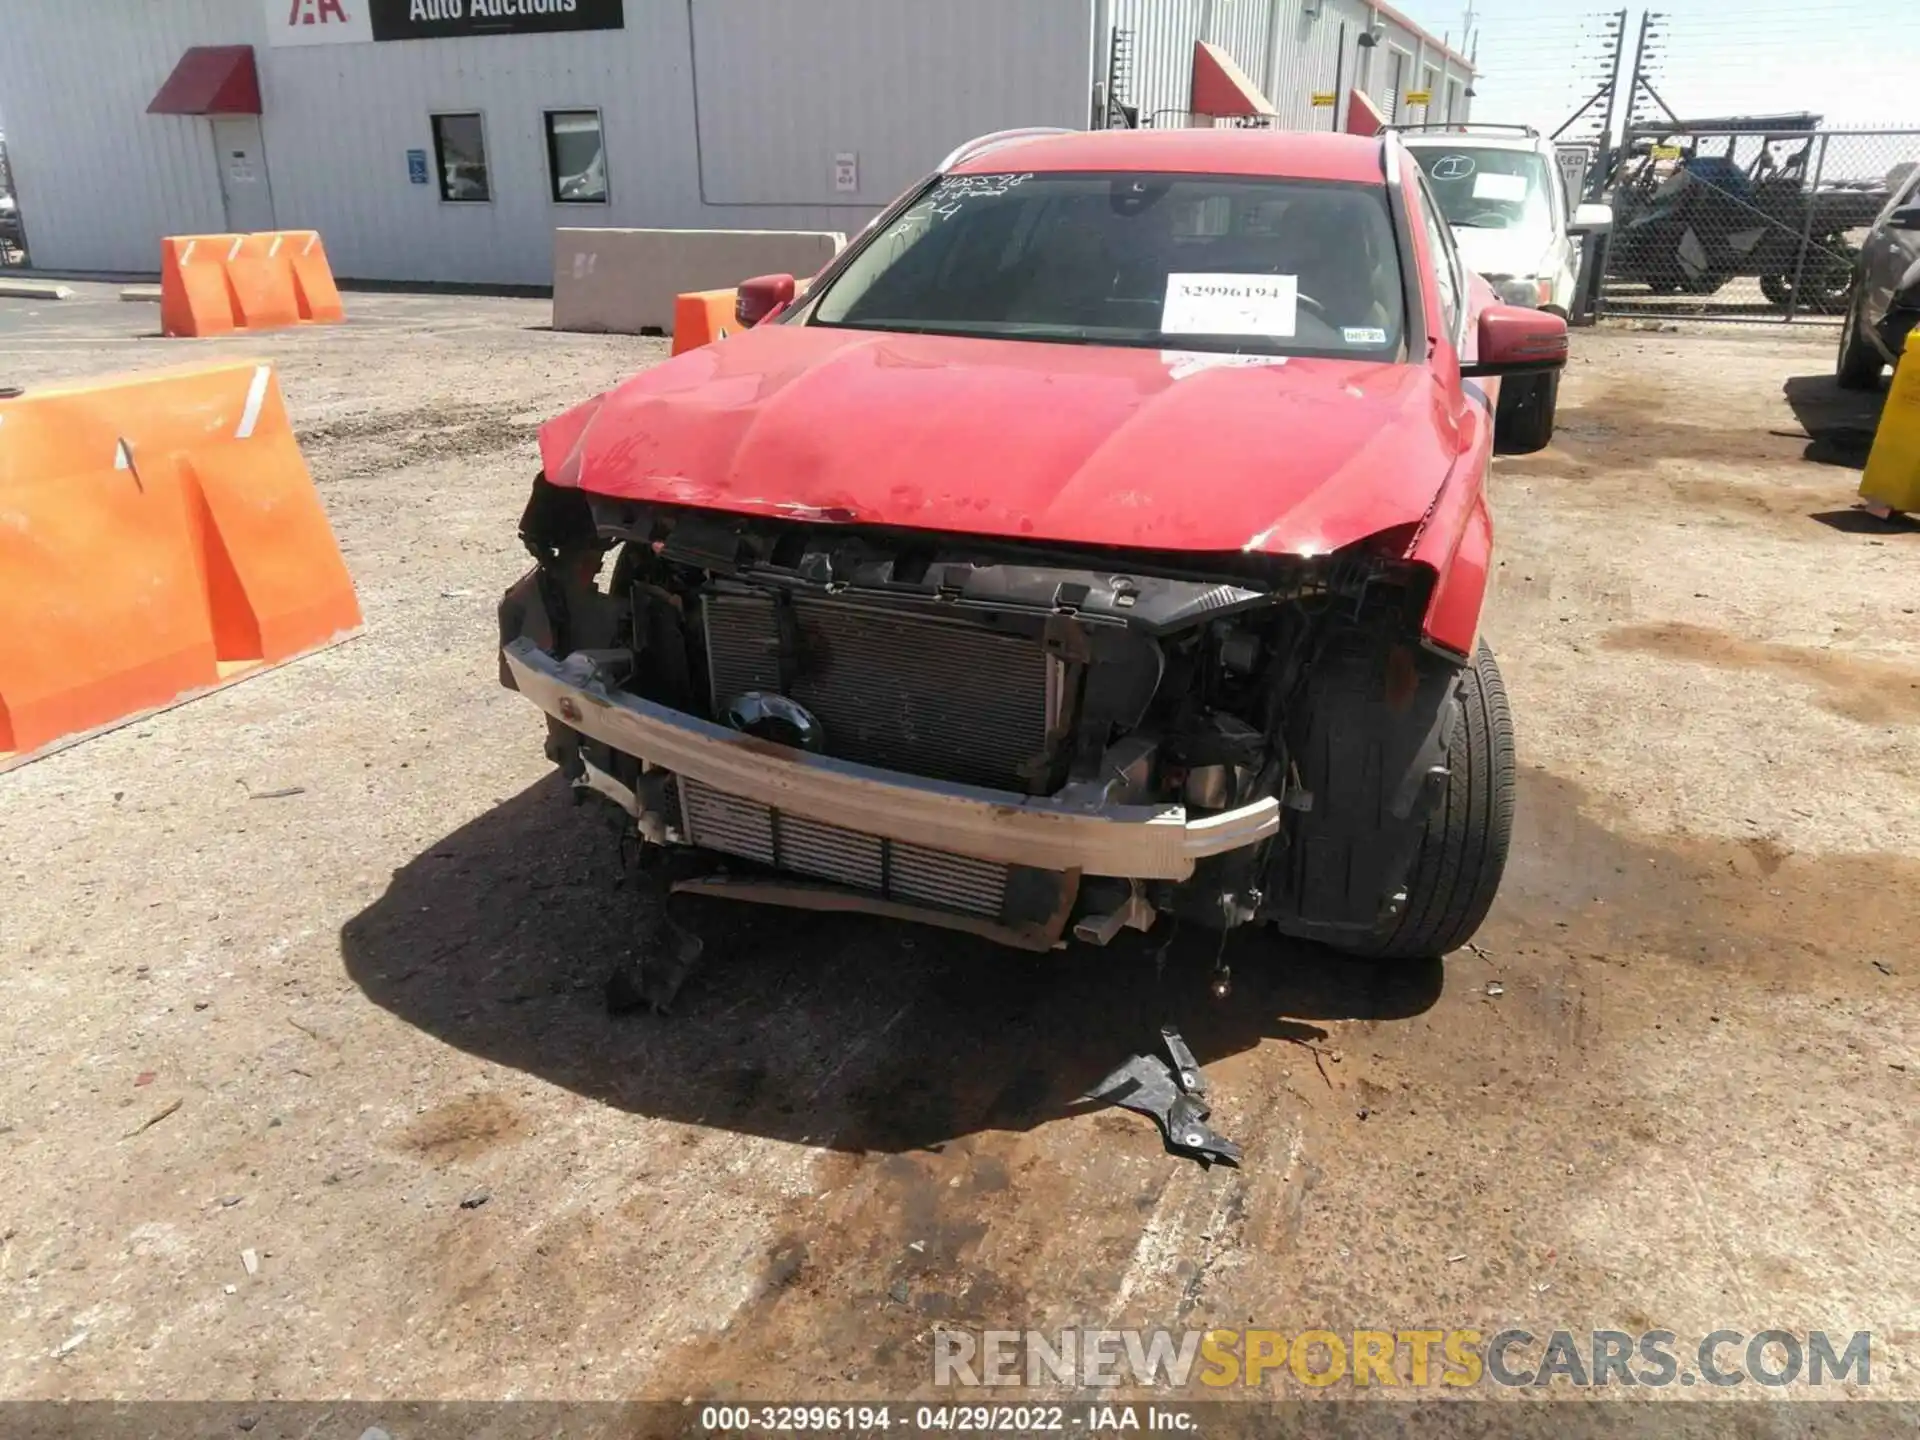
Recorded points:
1759,218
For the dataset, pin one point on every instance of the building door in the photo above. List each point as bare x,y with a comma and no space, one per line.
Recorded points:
243,173
1396,82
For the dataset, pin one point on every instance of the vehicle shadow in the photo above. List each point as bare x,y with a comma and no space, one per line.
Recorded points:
1839,423
857,1033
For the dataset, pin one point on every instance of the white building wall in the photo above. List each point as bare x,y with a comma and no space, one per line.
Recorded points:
98,179
782,89
1423,54
717,113
1308,50
1290,48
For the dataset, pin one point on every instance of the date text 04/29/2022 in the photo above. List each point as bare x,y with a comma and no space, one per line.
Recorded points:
1092,1420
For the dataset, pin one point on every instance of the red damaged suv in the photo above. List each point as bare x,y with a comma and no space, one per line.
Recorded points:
1102,536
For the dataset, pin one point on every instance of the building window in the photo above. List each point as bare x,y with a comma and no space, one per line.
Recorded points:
576,157
460,148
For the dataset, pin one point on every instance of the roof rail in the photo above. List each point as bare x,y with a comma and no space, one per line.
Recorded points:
1466,126
983,143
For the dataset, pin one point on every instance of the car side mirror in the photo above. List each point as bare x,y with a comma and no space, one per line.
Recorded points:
1591,218
1515,340
760,297
1907,217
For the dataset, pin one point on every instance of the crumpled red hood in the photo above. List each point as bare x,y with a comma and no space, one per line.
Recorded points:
1085,444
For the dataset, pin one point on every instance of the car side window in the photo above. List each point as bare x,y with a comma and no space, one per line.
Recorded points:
1446,260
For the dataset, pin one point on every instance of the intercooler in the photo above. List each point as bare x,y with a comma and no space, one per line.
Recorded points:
891,868
937,696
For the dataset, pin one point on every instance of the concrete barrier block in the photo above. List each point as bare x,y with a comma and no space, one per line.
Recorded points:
35,290
623,282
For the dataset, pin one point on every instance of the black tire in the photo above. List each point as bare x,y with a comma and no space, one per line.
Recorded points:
1858,365
1824,281
1463,849
1523,421
1407,760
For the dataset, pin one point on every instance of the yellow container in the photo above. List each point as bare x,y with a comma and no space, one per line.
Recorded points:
1893,468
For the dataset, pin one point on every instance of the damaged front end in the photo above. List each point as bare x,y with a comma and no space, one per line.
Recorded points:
1010,739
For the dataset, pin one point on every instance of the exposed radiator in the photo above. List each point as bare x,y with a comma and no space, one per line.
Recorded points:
718,821
926,695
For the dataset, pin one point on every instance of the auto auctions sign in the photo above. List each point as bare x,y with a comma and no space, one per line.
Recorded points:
323,22
443,19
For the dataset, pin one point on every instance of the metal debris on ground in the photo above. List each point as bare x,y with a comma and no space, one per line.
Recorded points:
152,1120
250,1259
474,1199
665,952
1495,988
1175,1096
281,794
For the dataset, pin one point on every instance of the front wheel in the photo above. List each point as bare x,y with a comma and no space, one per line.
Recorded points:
1858,365
1463,849
1523,420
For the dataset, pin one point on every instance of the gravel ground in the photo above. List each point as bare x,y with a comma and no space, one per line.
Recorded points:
1672,1086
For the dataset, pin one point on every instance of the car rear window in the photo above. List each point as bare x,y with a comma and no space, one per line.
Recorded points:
1175,261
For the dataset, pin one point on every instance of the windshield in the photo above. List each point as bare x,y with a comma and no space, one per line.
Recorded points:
1184,262
1490,189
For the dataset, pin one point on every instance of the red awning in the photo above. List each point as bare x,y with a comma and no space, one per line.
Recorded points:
1220,87
1363,116
211,80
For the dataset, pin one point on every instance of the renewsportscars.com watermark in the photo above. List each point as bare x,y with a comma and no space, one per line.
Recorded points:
1413,1359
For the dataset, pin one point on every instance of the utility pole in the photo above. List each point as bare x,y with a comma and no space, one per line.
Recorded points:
1602,99
1608,149
1649,20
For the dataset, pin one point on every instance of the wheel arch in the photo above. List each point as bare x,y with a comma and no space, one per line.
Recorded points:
1455,543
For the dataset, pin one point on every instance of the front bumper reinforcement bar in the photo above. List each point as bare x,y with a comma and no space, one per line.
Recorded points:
1095,837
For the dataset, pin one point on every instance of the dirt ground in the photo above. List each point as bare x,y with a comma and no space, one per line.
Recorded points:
1672,1087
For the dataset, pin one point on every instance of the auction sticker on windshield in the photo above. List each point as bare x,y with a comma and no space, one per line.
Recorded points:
1490,186
1230,305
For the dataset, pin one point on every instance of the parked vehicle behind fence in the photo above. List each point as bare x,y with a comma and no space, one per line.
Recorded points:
1696,209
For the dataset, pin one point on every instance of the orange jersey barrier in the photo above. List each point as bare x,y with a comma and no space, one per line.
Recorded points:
159,535
216,284
313,288
700,317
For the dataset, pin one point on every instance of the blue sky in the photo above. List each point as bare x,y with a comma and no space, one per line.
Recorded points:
1857,62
